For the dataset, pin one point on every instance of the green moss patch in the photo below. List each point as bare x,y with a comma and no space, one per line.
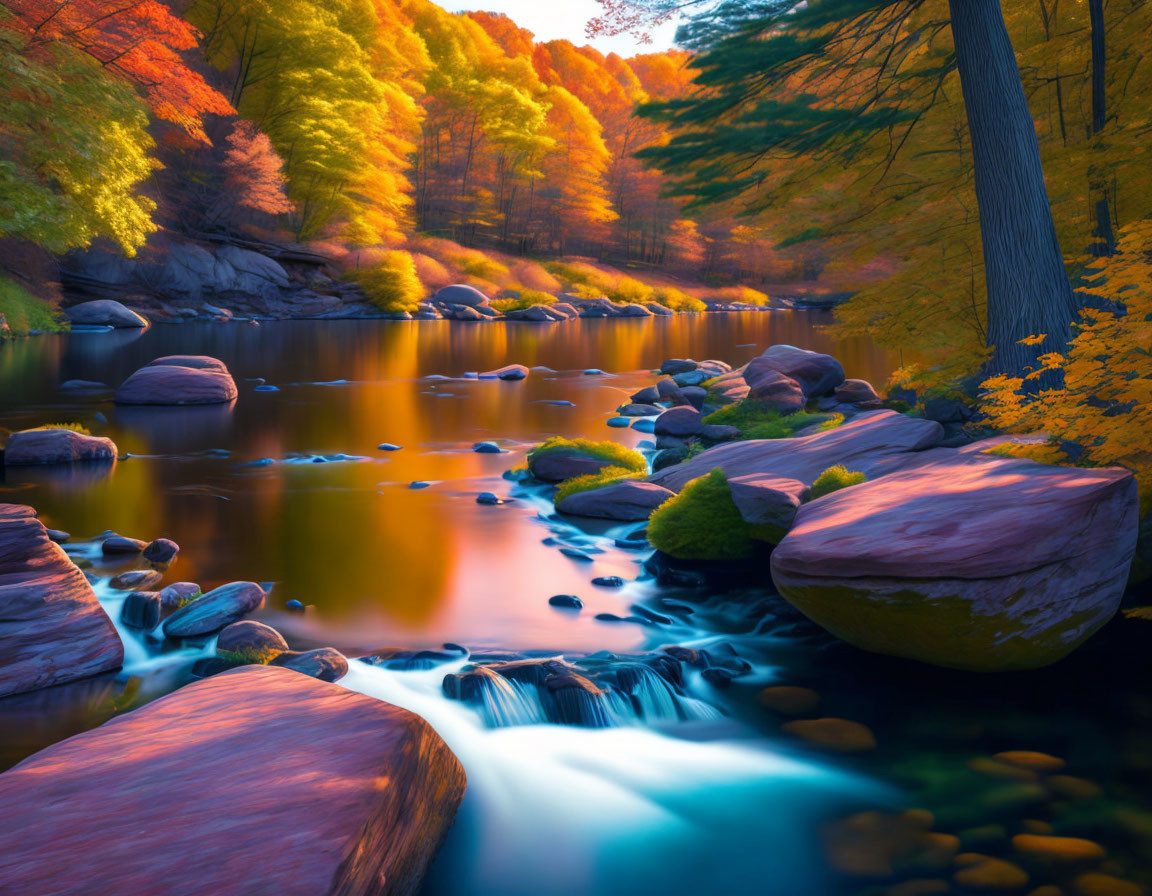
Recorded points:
703,523
529,298
24,312
593,481
613,452
758,419
833,479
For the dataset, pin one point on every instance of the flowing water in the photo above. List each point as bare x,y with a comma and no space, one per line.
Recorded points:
687,787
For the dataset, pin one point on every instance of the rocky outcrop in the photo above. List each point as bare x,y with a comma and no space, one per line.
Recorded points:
626,501
105,313
872,441
33,447
273,781
216,609
774,389
52,629
179,380
970,562
817,374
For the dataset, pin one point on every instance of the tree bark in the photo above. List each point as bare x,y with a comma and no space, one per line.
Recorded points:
1028,289
1105,237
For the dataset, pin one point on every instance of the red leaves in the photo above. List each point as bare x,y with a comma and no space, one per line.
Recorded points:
138,40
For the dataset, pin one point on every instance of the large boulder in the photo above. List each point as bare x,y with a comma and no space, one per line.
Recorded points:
873,442
774,389
816,373
56,446
215,610
353,795
679,422
627,501
460,294
179,380
52,628
105,313
971,562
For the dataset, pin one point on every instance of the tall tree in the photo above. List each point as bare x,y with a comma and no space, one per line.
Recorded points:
758,64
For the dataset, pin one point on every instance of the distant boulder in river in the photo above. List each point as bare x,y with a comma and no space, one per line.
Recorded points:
179,380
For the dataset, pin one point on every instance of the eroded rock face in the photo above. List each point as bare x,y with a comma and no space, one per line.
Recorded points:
873,441
970,562
56,446
353,795
52,629
105,313
627,501
179,380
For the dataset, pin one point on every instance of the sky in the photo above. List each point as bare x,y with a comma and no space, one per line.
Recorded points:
556,19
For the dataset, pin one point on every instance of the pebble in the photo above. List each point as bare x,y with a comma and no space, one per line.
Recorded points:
644,424
574,554
837,735
266,389
487,448
985,872
608,582
594,371
294,606
620,422
388,446
790,701
418,484
1059,850
488,499
567,602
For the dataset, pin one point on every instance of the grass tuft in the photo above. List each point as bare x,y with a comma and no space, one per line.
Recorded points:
833,479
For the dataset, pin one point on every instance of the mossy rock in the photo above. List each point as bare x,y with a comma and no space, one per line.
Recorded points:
703,523
560,459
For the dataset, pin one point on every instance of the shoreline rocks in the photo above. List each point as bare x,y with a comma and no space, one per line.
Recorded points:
52,628
357,795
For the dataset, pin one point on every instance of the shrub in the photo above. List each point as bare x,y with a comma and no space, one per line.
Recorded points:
578,274
475,263
527,299
432,273
628,290
757,419
677,300
741,294
391,284
593,481
24,312
703,523
75,427
833,479
614,452
533,276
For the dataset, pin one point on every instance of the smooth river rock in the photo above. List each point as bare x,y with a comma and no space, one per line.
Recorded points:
52,628
257,780
105,313
216,609
773,388
627,501
817,374
872,442
461,294
56,446
971,562
179,380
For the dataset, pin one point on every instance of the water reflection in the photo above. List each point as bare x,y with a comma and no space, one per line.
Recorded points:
398,565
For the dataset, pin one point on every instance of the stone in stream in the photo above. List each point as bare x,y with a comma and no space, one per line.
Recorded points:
627,501
141,610
488,499
487,448
355,794
83,386
608,582
670,392
566,602
216,609
107,313
120,544
619,422
52,628
325,663
136,580
817,374
511,373
388,446
647,395
872,443
250,638
178,594
179,380
162,550
677,365
34,447
768,501
967,561
639,410
679,422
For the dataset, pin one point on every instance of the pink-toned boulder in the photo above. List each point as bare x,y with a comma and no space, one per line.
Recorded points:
179,380
730,386
56,446
52,629
869,441
780,392
855,391
971,562
627,501
817,374
258,780
768,500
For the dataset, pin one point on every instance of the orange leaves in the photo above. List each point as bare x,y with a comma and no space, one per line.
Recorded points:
140,42
1033,340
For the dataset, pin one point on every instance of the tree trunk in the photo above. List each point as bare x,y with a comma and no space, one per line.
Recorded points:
1105,238
1028,289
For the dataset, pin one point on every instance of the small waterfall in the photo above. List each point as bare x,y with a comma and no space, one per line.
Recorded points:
653,699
